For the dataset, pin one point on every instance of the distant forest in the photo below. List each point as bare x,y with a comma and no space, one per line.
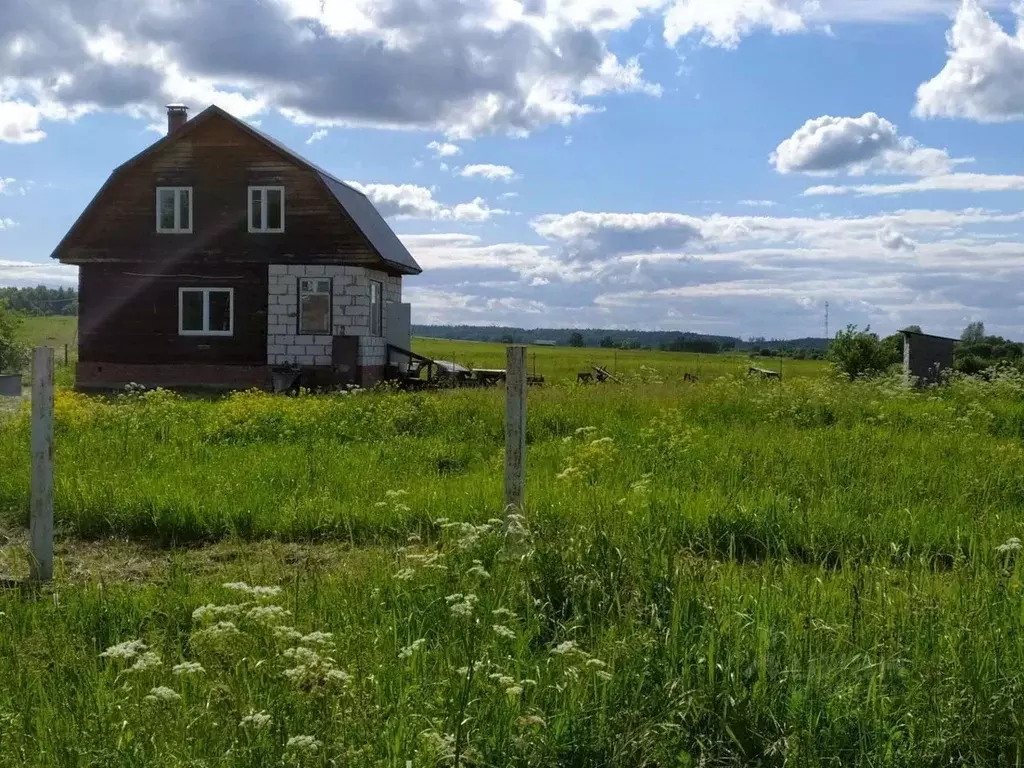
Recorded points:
672,341
41,300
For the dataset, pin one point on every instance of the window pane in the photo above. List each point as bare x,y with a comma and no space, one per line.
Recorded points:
307,286
191,310
323,286
184,209
315,314
220,310
274,212
256,207
375,306
165,201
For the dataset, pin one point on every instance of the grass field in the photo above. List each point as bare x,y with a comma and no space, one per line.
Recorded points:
725,573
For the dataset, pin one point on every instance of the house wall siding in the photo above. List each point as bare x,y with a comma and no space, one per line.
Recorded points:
350,313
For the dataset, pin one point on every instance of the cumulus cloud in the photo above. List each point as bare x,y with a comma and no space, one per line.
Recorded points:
952,182
410,201
464,67
983,78
892,240
8,223
23,274
444,148
857,145
589,236
722,23
488,171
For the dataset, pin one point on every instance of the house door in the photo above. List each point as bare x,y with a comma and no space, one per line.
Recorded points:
345,359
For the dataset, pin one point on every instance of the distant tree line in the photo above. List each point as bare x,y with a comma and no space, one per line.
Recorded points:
673,341
41,300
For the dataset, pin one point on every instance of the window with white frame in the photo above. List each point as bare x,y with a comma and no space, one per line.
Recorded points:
174,210
206,311
266,209
314,306
376,308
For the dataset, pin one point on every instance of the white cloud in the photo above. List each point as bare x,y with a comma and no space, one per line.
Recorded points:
7,224
488,171
723,23
463,68
892,240
410,201
317,135
19,122
983,78
444,149
951,182
32,273
758,203
858,145
7,186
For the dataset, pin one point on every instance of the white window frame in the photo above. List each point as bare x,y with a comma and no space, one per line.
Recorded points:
263,208
330,305
380,308
206,311
177,229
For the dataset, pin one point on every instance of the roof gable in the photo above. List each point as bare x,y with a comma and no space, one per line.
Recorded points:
351,202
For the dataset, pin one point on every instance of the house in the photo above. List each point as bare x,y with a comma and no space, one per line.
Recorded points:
217,257
926,358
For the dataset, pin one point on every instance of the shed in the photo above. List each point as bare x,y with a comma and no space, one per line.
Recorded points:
926,358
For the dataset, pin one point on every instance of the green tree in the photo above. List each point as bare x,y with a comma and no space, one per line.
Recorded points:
858,353
576,339
974,332
914,329
607,342
13,354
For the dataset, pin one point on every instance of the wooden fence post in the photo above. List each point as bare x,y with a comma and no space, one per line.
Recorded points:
515,426
41,525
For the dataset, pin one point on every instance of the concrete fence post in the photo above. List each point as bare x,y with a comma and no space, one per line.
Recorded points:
515,427
41,522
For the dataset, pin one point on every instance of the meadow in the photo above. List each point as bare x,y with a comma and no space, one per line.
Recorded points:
733,572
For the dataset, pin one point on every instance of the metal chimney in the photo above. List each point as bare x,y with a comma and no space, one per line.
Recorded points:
177,115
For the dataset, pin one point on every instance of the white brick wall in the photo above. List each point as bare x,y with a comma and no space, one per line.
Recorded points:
350,314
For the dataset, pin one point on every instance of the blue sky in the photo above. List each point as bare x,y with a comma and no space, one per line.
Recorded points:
720,166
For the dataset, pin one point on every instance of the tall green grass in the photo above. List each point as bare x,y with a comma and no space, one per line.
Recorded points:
731,573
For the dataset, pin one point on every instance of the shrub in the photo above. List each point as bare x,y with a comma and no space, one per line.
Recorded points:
860,353
13,354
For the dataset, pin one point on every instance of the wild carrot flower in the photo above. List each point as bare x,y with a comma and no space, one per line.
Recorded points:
187,668
259,592
478,570
464,608
145,662
268,614
1010,545
287,633
162,694
563,648
318,638
503,612
255,720
530,720
410,649
406,574
513,691
303,744
504,631
220,629
126,651
209,612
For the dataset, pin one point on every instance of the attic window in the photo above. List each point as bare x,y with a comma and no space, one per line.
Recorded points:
174,210
266,209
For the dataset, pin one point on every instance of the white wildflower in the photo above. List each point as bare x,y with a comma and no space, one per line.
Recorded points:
596,663
261,592
302,655
187,668
1010,545
220,629
406,574
303,744
457,597
162,694
255,720
127,650
604,675
145,662
318,638
503,612
268,614
514,691
502,679
410,649
465,608
478,570
396,493
338,675
288,634
561,649
586,430
504,631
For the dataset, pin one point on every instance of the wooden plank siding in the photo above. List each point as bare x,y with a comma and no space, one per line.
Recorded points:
219,161
128,313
